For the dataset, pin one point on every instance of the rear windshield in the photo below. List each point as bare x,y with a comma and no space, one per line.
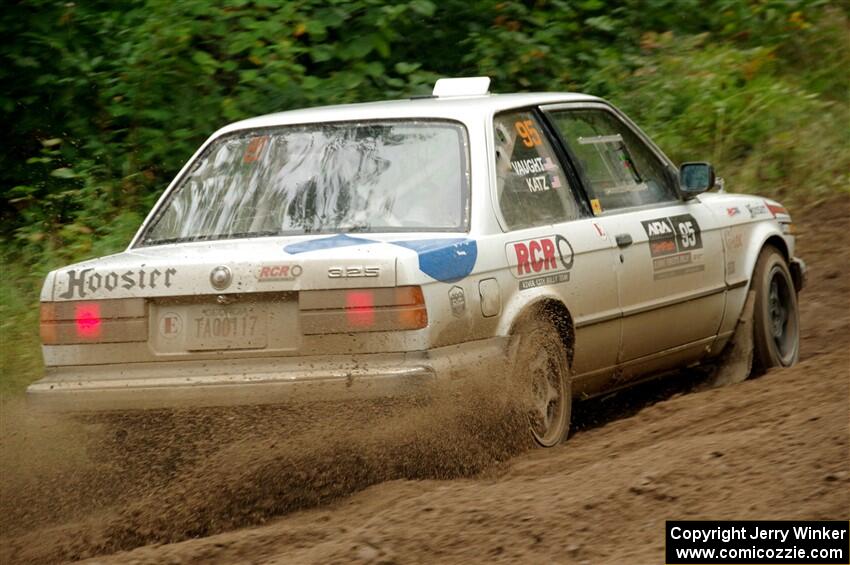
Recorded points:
387,176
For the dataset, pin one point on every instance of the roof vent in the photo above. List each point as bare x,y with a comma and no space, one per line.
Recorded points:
466,86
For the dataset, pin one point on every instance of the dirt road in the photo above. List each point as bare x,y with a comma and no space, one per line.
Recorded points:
774,447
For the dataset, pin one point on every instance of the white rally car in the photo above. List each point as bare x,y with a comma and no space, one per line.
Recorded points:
371,248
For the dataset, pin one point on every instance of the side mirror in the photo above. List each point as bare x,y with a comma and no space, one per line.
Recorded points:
695,178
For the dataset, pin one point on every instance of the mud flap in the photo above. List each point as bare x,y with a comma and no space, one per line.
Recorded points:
736,361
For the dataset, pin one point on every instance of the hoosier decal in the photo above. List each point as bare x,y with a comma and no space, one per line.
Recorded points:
540,261
86,280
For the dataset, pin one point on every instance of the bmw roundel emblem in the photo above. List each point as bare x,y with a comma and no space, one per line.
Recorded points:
220,277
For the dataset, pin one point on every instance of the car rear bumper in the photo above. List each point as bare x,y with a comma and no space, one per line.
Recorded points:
260,381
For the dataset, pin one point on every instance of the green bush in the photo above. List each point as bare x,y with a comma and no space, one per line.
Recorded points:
763,129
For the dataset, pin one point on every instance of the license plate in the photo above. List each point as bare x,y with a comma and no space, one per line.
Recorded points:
239,326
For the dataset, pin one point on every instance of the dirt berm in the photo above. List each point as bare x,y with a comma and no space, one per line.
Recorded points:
774,447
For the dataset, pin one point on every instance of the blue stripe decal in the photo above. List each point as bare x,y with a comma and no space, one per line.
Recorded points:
341,240
447,260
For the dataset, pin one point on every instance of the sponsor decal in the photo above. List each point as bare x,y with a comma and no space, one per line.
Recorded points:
756,210
457,299
672,242
279,272
540,261
544,281
84,281
170,325
596,206
678,272
255,149
671,261
674,234
779,212
734,240
733,211
600,231
776,210
354,272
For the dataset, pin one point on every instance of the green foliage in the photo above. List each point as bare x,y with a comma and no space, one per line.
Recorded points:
765,131
103,102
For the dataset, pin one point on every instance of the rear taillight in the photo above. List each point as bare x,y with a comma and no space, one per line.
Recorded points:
93,321
362,310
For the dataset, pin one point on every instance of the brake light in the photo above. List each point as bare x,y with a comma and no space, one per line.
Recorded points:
102,321
362,309
87,318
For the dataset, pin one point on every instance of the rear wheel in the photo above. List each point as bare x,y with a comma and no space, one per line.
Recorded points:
776,318
541,370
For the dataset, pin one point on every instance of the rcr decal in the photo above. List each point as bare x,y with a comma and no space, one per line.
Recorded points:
540,261
674,234
284,272
81,281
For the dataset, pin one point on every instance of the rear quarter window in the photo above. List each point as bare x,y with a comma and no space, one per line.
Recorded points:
531,185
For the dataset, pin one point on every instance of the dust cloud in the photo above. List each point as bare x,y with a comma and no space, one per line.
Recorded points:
84,485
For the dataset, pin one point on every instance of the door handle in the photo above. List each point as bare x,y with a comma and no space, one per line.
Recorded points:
624,240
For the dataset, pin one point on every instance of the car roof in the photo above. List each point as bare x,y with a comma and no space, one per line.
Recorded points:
460,108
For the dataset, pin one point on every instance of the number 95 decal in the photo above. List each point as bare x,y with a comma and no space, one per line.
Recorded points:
672,235
687,234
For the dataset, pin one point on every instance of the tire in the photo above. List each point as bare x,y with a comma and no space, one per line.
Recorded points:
776,318
541,371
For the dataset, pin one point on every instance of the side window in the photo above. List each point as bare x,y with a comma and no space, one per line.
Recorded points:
532,188
618,168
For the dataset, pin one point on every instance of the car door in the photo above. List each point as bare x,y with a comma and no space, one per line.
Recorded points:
670,270
551,242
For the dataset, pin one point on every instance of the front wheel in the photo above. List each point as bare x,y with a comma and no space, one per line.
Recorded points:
776,317
541,370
